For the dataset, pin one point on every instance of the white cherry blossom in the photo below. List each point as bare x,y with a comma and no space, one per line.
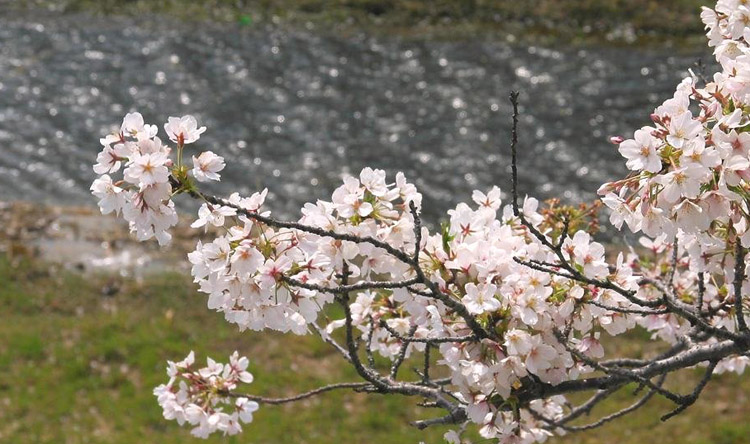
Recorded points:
207,166
183,130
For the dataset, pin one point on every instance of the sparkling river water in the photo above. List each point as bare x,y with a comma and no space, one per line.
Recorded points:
293,111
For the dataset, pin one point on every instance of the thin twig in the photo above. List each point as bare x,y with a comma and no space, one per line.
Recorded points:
301,396
328,339
739,278
411,338
368,343
426,366
513,144
628,310
365,285
451,418
402,353
701,291
691,398
417,231
673,266
633,407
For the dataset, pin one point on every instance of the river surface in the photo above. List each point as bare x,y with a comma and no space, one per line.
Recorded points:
294,111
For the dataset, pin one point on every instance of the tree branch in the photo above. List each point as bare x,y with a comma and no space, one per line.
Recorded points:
301,396
739,278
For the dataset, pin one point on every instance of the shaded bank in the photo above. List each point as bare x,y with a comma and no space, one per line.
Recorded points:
618,22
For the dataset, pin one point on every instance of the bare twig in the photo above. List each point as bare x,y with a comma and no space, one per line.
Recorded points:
739,278
631,408
349,288
402,353
367,374
417,231
426,366
586,407
301,396
628,310
701,291
673,266
410,338
513,144
368,343
690,399
328,339
451,418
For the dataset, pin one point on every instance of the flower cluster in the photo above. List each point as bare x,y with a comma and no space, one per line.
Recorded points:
691,166
482,265
200,396
143,196
691,170
264,277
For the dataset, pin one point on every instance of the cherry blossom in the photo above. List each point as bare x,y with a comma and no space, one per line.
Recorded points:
183,130
198,396
111,197
642,152
207,166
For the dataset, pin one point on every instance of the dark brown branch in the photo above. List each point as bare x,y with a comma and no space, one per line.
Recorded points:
564,232
411,338
673,266
301,396
402,353
686,311
554,269
690,399
629,362
349,288
631,408
586,407
367,374
628,310
328,339
453,304
417,231
513,158
739,278
368,343
451,418
426,366
701,291
618,371
379,383
685,359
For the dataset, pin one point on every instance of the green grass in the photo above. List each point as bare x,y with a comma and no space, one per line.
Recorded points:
546,21
77,366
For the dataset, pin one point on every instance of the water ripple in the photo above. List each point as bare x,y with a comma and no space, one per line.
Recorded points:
295,111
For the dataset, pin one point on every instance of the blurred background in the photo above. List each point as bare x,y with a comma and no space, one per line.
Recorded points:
295,94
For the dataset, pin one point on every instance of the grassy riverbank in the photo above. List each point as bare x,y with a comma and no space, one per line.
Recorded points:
80,355
674,22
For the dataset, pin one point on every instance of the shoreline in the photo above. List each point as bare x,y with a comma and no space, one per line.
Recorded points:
81,239
555,23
